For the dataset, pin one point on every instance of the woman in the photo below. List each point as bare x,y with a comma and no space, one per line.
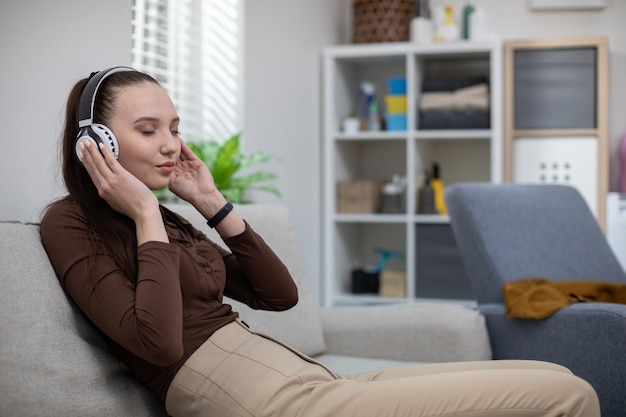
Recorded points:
154,286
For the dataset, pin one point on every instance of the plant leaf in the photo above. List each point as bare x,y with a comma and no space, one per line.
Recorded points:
247,180
227,161
256,158
206,151
234,195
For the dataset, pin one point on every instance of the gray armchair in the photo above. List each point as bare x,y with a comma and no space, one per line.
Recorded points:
513,231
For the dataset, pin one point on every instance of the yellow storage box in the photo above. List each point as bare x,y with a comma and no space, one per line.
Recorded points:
395,104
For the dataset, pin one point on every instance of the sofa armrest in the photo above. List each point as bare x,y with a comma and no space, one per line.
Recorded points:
418,333
588,338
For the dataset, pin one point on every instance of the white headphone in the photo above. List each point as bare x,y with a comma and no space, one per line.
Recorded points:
95,132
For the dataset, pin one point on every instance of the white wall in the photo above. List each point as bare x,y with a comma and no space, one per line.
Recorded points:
46,46
283,44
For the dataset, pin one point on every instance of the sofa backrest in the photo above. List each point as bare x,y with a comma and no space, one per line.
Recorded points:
299,327
53,362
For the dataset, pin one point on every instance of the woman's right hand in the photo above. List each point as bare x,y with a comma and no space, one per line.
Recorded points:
124,192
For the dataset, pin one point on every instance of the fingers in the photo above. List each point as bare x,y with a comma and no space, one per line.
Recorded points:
88,158
185,152
99,163
99,153
110,160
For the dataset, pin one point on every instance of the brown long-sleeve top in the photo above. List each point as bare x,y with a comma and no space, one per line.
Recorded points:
155,324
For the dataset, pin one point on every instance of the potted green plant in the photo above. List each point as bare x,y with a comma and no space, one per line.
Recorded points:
227,163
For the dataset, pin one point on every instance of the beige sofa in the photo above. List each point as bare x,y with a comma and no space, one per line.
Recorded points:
54,363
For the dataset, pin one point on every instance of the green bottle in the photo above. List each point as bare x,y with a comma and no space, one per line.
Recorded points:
373,119
468,9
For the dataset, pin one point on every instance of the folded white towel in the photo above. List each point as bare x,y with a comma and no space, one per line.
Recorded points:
472,98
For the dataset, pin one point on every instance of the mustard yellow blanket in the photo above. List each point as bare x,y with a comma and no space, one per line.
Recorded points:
537,298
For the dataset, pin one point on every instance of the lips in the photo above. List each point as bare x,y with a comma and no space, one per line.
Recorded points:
167,167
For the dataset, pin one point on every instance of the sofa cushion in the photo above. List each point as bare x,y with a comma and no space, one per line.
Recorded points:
420,332
52,360
299,327
352,365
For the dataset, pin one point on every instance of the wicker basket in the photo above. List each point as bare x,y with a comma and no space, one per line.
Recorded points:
382,20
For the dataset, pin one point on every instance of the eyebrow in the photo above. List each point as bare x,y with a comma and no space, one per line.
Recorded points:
154,119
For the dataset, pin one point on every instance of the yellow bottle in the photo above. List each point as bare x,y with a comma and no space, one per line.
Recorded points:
438,187
448,31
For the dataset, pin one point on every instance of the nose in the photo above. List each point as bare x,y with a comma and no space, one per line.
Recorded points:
170,144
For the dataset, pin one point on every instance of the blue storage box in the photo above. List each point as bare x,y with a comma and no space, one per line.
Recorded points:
396,122
397,85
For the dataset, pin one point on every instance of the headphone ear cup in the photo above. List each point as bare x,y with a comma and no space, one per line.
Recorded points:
104,135
97,133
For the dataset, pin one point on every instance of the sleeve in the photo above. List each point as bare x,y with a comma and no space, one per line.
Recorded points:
255,275
144,317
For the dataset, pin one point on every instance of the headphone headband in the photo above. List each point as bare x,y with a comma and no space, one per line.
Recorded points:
88,97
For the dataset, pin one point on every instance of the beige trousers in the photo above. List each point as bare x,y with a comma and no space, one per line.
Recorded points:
237,372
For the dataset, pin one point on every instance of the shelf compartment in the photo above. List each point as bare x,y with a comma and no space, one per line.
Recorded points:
446,74
355,245
460,160
349,72
375,160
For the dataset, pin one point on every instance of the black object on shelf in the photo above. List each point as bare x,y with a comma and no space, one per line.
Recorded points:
434,119
433,84
365,282
426,197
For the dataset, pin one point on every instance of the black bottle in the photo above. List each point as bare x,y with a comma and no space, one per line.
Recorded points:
426,197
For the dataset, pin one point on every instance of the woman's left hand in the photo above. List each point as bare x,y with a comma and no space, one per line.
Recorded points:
191,179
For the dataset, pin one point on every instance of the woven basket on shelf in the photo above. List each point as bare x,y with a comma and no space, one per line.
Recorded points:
382,20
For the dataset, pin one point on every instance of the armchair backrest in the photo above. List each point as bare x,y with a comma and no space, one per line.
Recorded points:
507,232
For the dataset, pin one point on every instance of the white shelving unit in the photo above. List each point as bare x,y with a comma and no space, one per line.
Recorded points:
464,155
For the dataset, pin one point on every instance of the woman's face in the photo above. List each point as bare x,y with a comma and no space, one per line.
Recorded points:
145,123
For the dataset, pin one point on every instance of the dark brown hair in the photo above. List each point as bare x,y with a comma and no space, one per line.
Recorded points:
114,231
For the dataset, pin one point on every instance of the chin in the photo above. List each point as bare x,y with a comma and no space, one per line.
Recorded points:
156,186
